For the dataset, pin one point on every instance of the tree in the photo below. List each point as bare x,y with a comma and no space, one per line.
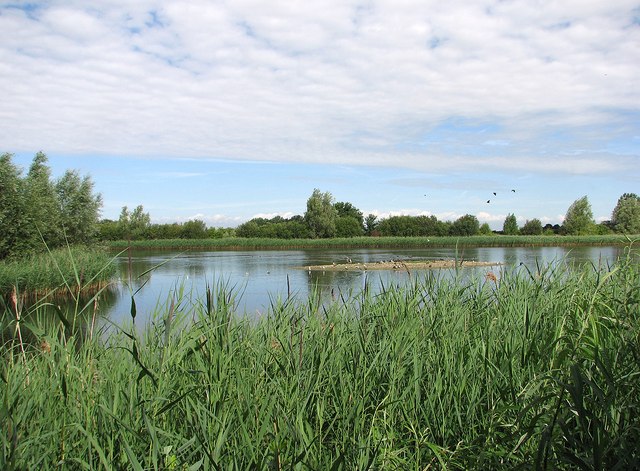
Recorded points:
348,227
321,215
42,210
13,222
485,229
466,225
195,229
579,218
79,207
370,224
133,225
626,214
532,227
510,226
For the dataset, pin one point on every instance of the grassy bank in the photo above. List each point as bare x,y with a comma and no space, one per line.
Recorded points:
59,271
237,243
538,370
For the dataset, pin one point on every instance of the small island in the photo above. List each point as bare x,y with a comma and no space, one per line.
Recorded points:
405,265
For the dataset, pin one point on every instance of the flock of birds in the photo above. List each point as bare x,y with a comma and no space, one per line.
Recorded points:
496,194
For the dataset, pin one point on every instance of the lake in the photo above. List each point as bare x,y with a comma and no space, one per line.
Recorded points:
258,277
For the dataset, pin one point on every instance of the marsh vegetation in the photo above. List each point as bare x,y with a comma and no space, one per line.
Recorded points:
532,368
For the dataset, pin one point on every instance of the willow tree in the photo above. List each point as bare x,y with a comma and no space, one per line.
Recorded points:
13,224
579,218
79,207
321,215
626,214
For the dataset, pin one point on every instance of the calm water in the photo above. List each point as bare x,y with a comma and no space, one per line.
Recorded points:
258,277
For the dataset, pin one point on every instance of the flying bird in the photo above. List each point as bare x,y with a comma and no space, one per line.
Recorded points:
494,194
513,191
488,201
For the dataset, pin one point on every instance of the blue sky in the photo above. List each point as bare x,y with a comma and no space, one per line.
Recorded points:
224,111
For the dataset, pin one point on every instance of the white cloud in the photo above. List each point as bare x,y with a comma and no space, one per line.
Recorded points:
334,82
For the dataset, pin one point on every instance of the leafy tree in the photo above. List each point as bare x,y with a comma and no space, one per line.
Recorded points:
466,225
510,226
485,229
370,224
347,226
133,225
321,215
13,223
79,207
626,214
42,210
579,218
195,229
532,227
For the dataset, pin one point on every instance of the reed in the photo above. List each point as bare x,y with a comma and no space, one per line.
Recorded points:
57,271
237,243
532,369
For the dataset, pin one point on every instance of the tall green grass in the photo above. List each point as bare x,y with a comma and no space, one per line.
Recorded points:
60,270
519,369
237,243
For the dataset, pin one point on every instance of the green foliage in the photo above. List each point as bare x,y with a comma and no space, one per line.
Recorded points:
515,371
579,218
412,226
79,207
626,214
37,212
510,226
466,225
321,215
370,224
14,231
532,227
485,229
277,228
347,226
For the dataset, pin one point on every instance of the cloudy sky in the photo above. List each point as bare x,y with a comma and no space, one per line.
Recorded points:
226,110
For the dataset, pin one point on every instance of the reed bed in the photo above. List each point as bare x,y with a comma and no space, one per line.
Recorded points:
518,369
57,271
238,243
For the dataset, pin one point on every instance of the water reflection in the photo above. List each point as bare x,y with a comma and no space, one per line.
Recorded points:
259,277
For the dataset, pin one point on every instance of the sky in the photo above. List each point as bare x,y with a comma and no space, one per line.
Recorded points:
227,110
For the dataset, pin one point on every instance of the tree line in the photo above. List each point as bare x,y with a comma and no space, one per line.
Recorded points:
325,218
39,212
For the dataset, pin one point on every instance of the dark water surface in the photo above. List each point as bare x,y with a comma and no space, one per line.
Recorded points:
258,277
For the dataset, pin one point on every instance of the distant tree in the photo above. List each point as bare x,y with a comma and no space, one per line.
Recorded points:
321,215
370,224
195,229
349,210
579,218
350,222
466,225
552,229
510,226
532,227
347,226
133,225
79,207
42,210
13,222
485,229
626,214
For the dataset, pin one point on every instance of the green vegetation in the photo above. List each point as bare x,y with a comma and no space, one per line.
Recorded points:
579,218
239,243
60,271
515,370
37,212
626,214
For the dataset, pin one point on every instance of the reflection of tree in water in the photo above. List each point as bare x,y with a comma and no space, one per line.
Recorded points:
43,316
